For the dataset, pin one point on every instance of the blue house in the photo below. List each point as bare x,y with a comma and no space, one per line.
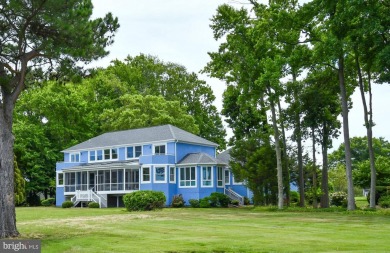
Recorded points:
162,158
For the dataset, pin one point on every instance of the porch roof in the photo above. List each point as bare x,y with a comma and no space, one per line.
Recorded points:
105,165
200,158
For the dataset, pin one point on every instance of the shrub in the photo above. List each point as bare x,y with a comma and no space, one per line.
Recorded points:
205,202
67,204
384,201
48,202
144,200
294,197
194,203
93,205
379,192
218,199
178,201
246,201
338,199
235,202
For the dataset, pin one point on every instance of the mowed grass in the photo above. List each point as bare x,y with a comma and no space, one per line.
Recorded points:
204,230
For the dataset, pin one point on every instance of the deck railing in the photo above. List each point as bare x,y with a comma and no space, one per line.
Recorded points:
234,195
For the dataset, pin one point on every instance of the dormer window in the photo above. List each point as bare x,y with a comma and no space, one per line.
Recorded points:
75,157
159,149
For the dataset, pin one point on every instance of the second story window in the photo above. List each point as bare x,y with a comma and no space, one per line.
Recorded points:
159,149
75,157
101,155
133,152
138,151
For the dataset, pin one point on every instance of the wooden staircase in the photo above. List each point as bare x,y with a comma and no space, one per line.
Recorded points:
88,196
234,195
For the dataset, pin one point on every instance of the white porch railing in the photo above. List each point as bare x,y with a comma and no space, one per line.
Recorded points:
234,195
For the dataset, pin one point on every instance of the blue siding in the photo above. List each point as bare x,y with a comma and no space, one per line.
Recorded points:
122,154
60,198
84,156
147,149
66,157
157,159
61,165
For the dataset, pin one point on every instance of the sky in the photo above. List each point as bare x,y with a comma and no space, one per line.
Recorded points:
178,31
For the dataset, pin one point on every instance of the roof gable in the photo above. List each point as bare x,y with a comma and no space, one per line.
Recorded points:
141,136
199,158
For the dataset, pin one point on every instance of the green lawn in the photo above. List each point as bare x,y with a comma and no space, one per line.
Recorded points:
204,230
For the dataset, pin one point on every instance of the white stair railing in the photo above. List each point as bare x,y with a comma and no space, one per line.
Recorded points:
234,195
89,195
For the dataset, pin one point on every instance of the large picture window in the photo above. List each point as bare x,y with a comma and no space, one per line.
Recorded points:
159,175
207,176
188,177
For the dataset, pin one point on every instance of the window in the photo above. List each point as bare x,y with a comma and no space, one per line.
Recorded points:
99,155
188,177
60,179
92,156
145,175
172,174
114,153
138,151
107,154
219,176
159,175
159,149
207,177
75,157
129,152
227,177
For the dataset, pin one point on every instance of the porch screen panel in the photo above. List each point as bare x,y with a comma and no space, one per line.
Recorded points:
106,180
70,182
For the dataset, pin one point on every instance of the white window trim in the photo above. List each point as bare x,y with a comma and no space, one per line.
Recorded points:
134,157
196,177
58,177
159,144
73,154
142,175
211,179
174,174
155,174
103,155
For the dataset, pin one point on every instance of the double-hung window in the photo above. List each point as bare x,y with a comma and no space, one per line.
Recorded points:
188,177
227,177
138,151
207,176
219,177
75,157
60,179
133,152
172,174
159,149
145,175
159,175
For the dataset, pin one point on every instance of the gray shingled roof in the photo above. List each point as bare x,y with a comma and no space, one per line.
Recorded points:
224,156
140,136
199,158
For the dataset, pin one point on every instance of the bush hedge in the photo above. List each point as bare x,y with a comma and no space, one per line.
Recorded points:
218,199
178,201
48,202
67,204
384,201
144,200
338,199
194,203
93,205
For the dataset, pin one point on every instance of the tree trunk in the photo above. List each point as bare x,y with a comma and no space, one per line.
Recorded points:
368,124
285,156
324,175
314,189
278,153
7,203
347,144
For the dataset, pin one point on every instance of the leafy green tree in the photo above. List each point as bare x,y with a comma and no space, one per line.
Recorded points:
143,111
253,161
20,186
147,75
55,33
